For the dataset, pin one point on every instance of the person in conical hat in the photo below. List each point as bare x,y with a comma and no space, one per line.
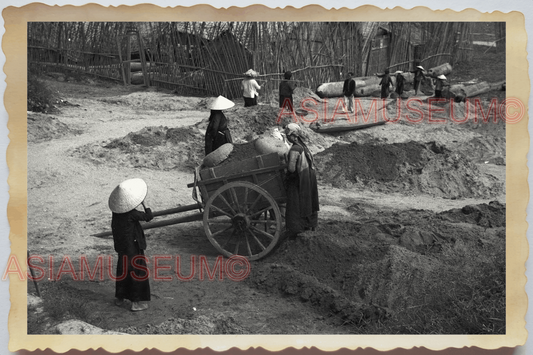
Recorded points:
129,242
217,132
301,185
400,81
250,88
440,85
419,78
251,73
385,83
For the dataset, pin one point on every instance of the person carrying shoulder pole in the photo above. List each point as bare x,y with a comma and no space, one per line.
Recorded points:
249,88
286,89
348,91
441,85
385,83
419,77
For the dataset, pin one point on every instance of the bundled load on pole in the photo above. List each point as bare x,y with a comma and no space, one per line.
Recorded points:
443,69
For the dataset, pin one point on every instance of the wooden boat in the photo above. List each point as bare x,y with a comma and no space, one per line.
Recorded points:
335,128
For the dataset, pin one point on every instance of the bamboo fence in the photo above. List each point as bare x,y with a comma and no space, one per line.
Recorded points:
429,44
209,58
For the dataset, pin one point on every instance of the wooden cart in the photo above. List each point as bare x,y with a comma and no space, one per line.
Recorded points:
238,204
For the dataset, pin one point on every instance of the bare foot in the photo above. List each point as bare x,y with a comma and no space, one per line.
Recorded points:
137,306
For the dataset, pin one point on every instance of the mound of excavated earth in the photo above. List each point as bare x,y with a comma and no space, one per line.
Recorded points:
405,167
159,148
45,128
388,263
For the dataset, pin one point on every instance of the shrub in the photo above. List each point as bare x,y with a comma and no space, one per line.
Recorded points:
40,98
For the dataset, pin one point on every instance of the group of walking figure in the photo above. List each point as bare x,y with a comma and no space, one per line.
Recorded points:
386,84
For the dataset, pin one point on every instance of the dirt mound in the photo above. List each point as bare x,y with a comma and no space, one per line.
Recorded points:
155,101
159,148
486,215
247,123
203,104
400,167
44,128
393,266
216,324
301,93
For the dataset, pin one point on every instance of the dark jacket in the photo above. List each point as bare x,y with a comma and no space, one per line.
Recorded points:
286,88
127,231
419,74
399,83
385,82
217,132
348,88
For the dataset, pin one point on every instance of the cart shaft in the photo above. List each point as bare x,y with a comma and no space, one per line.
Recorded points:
167,222
177,210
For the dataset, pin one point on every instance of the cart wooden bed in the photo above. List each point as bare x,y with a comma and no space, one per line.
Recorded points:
239,204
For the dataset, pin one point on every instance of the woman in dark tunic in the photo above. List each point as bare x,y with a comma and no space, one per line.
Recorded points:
441,85
129,241
302,191
217,132
399,82
419,77
385,83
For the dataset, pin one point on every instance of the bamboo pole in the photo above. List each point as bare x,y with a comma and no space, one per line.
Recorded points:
121,63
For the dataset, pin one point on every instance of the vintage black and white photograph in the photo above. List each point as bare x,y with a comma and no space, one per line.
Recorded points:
266,178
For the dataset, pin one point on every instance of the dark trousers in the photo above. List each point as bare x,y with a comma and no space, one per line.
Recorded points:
416,85
249,101
286,102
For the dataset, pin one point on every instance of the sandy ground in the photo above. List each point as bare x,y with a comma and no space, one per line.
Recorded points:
67,204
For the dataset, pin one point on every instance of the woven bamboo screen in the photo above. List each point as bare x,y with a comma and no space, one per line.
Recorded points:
79,46
429,44
209,58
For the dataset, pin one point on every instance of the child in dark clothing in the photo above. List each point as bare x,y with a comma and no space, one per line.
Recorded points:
130,242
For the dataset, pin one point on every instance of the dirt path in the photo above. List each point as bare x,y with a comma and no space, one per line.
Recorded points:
67,203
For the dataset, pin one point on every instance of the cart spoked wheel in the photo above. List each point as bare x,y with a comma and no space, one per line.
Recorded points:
241,218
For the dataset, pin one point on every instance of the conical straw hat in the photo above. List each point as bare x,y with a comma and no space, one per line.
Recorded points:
251,73
221,103
127,195
420,67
